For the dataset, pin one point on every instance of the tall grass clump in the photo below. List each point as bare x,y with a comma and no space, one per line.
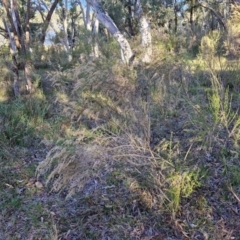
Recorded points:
20,117
118,119
105,104
15,127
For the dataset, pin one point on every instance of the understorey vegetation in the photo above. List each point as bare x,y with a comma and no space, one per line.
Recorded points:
101,149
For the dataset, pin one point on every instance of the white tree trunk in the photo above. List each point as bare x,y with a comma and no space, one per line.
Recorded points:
146,39
28,64
95,36
103,17
13,48
83,13
145,31
86,15
14,17
88,18
65,27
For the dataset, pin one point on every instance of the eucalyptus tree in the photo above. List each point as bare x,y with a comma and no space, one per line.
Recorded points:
18,33
145,31
103,17
86,14
117,9
43,7
216,15
91,24
63,15
17,27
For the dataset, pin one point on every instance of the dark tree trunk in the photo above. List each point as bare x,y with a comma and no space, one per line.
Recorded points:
47,21
175,19
191,13
129,20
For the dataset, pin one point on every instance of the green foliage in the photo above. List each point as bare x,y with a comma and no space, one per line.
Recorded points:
116,11
82,45
19,118
209,46
4,52
214,102
15,123
181,185
10,201
110,49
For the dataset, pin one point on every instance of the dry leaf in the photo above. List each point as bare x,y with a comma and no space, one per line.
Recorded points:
39,185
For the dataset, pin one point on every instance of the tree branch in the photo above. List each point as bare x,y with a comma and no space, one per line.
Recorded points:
47,20
215,13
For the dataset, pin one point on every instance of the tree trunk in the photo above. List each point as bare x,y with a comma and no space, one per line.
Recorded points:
88,18
129,18
145,31
95,36
103,17
18,43
47,21
13,48
16,87
191,14
175,18
6,5
28,70
65,28
28,63
14,67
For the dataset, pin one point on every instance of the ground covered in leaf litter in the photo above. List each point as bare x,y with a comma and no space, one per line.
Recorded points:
111,206
107,209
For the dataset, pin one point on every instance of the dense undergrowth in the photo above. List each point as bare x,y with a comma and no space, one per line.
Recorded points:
105,151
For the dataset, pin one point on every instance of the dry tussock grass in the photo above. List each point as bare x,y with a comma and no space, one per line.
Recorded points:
114,107
72,166
77,167
139,138
122,108
94,93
